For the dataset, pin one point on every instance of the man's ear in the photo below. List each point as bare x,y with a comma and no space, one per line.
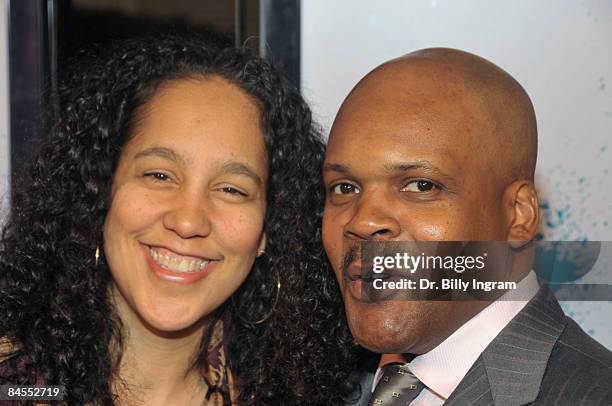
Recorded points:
522,211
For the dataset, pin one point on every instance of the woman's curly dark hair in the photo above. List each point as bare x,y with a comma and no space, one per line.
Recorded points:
53,298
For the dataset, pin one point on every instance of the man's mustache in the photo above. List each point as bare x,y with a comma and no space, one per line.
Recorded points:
353,254
350,256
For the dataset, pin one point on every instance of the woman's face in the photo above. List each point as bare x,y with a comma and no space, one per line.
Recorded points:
188,203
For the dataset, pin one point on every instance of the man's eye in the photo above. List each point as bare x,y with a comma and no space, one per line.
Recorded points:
233,191
344,189
420,186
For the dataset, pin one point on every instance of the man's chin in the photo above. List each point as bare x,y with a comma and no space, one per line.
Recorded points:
377,327
372,340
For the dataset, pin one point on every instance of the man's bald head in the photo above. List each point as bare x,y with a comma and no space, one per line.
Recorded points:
480,90
438,145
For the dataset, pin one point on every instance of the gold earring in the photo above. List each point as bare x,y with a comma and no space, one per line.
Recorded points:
97,255
278,288
267,315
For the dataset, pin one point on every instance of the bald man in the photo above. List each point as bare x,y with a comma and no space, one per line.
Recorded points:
441,145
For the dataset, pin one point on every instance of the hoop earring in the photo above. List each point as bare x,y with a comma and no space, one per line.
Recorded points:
97,255
267,315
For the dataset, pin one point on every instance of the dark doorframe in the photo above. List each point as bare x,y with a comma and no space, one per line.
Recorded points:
280,36
29,69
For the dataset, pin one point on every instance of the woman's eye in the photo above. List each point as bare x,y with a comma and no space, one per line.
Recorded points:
420,186
344,189
158,176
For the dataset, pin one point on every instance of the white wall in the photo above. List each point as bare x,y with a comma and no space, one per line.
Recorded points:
559,50
4,110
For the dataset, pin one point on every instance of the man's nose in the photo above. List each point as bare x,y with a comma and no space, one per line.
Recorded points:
373,219
188,216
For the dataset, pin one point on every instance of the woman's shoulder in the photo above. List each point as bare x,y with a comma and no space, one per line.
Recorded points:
12,361
11,355
8,349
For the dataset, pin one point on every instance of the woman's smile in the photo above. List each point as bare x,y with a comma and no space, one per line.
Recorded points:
169,265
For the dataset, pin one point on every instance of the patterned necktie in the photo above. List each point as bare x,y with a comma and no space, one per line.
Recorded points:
397,387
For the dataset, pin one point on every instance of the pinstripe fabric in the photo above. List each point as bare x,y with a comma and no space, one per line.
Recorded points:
474,389
540,358
580,371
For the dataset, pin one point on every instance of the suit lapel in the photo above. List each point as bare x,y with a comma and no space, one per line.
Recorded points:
510,370
474,388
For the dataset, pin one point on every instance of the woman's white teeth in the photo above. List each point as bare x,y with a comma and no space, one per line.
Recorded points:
177,264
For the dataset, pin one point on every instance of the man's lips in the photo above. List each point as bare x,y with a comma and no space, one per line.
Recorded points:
354,272
355,288
356,281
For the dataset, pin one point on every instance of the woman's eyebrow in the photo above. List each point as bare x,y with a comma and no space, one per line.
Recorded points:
162,152
239,168
232,167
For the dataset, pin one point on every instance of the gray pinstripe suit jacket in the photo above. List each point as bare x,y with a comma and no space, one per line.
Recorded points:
541,357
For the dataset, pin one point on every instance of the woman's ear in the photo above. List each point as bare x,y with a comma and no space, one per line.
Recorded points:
522,211
262,245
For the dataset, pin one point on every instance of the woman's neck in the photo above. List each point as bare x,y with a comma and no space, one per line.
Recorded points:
157,367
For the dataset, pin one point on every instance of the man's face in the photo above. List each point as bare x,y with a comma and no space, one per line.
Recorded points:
406,161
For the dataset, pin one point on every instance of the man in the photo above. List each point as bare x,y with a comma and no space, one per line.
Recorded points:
440,145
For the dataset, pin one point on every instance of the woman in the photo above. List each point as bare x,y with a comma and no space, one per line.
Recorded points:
167,249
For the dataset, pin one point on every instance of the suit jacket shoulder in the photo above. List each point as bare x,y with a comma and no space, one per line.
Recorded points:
579,371
579,344
541,357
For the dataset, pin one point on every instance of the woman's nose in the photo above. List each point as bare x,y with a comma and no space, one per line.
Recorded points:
188,216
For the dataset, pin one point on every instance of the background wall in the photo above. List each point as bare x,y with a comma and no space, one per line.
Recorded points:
4,110
559,50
